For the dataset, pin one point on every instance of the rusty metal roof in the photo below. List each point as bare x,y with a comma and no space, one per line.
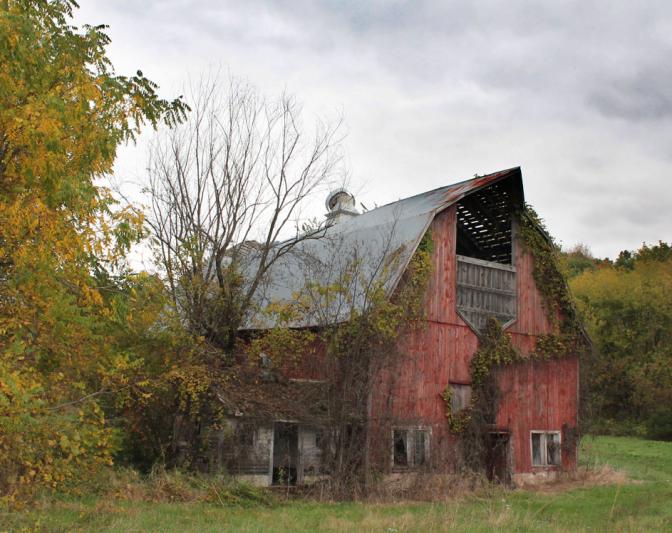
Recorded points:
394,229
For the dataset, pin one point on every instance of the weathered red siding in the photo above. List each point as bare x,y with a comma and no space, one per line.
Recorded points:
534,395
532,318
540,395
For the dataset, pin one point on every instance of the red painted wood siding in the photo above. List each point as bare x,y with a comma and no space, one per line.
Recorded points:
540,395
532,318
408,392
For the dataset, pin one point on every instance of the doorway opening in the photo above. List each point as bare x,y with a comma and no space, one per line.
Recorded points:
497,459
285,454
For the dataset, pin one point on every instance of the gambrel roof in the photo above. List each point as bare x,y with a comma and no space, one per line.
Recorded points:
371,238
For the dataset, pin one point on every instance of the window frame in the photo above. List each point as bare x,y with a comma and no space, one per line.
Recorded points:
543,443
246,435
411,440
455,387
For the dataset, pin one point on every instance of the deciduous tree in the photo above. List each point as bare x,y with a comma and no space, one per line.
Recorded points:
225,187
63,113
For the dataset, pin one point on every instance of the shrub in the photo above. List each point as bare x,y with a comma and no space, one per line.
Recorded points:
659,425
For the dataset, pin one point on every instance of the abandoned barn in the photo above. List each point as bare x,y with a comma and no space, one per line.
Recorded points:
480,269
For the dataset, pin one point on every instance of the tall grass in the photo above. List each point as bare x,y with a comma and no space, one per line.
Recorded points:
598,498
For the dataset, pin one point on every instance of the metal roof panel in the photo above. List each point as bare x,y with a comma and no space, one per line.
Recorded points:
394,229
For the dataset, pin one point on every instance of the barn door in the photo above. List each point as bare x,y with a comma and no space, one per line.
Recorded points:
497,458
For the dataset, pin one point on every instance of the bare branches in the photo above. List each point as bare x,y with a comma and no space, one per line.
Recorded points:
232,180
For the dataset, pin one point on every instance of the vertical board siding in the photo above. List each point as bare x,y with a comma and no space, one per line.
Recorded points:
441,293
539,395
407,392
532,318
311,365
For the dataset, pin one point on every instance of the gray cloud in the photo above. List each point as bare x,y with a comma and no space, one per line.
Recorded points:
645,96
577,92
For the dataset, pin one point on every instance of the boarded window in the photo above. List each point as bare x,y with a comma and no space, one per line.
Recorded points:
485,289
546,449
410,447
460,396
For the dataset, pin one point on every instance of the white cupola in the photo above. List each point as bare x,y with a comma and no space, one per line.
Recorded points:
340,205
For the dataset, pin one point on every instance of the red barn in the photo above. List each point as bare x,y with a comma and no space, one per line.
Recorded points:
480,269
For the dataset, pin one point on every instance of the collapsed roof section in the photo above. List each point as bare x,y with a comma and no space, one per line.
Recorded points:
382,241
484,228
244,394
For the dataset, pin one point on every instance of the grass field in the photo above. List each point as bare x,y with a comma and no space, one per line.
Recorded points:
643,503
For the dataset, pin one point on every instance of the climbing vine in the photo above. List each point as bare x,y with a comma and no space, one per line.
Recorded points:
496,349
568,336
355,351
457,421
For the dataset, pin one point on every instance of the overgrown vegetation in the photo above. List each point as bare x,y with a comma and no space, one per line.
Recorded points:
359,328
63,112
638,502
496,350
627,305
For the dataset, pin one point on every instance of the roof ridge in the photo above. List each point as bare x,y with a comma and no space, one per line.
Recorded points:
449,186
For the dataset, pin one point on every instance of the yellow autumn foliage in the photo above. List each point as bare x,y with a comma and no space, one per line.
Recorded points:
63,112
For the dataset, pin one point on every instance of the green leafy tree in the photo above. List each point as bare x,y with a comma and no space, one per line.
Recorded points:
628,309
579,259
63,113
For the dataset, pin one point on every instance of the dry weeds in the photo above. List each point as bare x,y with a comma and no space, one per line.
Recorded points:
583,477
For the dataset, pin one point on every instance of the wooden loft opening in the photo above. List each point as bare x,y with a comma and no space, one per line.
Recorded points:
484,223
486,276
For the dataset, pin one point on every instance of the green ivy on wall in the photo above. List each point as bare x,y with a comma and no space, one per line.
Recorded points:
495,347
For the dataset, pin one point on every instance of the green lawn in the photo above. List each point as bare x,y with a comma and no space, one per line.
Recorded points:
642,504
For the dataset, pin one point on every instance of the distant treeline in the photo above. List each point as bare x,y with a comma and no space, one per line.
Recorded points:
627,308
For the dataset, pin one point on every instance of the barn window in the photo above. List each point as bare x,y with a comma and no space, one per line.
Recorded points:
410,447
245,434
400,443
460,396
546,448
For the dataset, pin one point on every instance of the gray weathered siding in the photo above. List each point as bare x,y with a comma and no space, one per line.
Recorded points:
485,289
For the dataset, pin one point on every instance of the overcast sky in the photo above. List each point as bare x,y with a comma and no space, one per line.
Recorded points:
579,94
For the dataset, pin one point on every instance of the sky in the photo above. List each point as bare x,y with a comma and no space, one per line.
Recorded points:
577,93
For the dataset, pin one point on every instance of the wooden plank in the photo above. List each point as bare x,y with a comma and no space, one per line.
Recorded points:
485,289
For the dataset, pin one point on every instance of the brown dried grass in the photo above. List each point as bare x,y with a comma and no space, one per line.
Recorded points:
582,477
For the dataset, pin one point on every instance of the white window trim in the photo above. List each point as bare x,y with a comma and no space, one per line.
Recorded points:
410,443
544,447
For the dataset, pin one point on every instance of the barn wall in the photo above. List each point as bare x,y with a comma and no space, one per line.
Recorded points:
540,395
408,393
532,318
310,454
249,461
